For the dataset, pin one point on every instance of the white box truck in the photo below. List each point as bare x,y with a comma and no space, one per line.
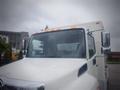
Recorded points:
63,58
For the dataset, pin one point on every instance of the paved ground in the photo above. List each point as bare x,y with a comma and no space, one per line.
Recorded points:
114,74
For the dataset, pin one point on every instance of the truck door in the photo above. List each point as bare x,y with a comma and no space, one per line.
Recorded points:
91,56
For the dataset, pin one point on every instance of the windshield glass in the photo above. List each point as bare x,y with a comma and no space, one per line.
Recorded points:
58,44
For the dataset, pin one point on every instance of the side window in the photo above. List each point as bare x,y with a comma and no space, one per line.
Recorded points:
91,45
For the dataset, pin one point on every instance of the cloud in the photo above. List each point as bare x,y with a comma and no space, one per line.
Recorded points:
33,15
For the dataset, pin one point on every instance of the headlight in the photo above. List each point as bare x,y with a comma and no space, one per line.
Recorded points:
41,88
1,84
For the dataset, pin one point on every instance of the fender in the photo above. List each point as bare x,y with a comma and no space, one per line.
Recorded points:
84,82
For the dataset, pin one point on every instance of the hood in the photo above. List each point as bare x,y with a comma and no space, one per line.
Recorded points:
40,69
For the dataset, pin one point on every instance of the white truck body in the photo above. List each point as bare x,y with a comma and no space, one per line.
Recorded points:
87,73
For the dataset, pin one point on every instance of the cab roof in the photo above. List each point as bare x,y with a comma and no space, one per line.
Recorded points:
91,26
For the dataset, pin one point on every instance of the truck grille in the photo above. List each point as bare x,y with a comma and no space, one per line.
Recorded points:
7,87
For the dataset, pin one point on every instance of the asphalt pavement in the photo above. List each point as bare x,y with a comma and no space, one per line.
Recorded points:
114,76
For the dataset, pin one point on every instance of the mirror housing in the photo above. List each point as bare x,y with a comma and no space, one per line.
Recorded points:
24,46
105,40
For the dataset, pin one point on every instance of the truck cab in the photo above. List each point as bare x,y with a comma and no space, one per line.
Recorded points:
63,58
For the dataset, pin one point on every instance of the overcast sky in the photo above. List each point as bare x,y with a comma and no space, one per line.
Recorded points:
34,15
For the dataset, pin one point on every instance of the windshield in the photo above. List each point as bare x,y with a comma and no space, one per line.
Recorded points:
58,44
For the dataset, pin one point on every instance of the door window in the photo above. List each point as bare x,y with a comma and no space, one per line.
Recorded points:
91,45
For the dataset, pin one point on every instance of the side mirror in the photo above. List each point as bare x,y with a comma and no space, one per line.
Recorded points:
105,39
24,46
